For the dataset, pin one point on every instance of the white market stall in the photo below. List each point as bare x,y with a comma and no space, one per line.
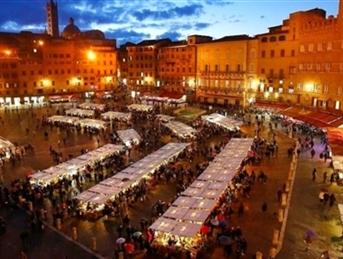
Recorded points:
180,129
92,106
63,119
80,113
73,166
228,123
129,137
164,117
110,115
91,123
6,147
140,107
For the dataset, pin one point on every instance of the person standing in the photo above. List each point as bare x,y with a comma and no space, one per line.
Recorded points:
324,176
332,200
279,194
314,175
264,207
313,152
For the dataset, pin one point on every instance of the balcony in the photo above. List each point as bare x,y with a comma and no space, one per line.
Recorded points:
222,73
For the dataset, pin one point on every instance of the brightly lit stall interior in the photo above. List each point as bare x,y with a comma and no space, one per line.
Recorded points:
111,115
164,117
80,113
129,137
63,119
140,107
337,163
180,129
75,165
92,106
91,123
183,220
127,178
228,123
340,209
6,147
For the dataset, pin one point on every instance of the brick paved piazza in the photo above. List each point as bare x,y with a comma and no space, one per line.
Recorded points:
305,211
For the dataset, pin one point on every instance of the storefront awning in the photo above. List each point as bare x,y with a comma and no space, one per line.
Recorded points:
337,123
291,111
324,116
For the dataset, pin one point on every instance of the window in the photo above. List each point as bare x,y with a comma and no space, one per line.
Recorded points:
227,68
253,53
270,89
300,86
293,53
263,54
252,67
292,70
340,91
227,54
272,53
309,67
239,54
264,39
272,39
302,48
337,105
325,89
318,67
319,46
301,67
263,70
329,45
239,67
207,68
327,67
282,38
310,47
316,88
282,53
216,68
280,90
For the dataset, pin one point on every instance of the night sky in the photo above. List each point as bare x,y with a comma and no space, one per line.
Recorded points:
135,20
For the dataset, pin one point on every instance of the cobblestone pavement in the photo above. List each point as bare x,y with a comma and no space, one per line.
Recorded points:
305,211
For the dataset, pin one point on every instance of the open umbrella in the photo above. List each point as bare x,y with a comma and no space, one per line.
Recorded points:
215,222
137,234
129,247
224,240
120,240
310,233
205,229
223,223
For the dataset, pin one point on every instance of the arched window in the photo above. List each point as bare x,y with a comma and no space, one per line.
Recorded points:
264,39
282,38
272,39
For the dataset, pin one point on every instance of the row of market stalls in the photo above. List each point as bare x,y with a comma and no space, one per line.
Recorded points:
168,99
107,190
183,221
140,107
120,116
80,113
92,106
76,121
76,165
228,123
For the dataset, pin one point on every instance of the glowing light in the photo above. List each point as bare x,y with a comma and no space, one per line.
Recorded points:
91,55
8,52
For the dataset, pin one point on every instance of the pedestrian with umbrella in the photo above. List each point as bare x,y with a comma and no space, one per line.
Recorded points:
310,234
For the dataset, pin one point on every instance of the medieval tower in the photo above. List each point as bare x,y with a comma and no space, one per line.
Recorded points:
52,17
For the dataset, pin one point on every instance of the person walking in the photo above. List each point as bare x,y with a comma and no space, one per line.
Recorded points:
324,176
279,194
314,175
313,152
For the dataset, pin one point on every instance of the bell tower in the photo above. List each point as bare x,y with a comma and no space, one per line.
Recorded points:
52,18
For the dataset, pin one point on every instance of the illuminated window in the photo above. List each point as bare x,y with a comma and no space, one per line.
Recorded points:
270,89
300,86
319,46
327,67
329,45
339,91
316,88
310,47
337,105
280,90
309,67
325,89
301,67
318,67
302,48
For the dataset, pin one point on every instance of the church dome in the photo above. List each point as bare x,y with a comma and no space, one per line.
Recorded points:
71,30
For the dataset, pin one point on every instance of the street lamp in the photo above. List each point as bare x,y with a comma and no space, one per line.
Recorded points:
91,55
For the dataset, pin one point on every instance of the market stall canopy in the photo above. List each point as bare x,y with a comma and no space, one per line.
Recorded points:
80,113
179,128
185,202
204,204
163,224
98,199
185,229
175,212
63,119
5,143
140,107
199,184
196,215
104,189
129,137
116,115
228,123
99,124
84,196
92,106
165,118
337,162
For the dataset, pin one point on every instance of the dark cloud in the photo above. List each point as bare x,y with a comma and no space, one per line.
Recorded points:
124,35
175,12
173,35
201,25
262,17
